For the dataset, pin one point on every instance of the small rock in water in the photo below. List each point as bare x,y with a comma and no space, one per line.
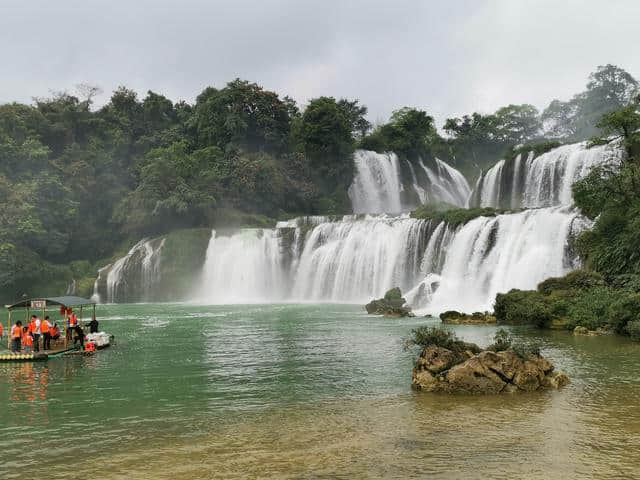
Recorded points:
391,305
459,318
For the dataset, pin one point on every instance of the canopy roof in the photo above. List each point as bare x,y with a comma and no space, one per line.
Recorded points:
65,301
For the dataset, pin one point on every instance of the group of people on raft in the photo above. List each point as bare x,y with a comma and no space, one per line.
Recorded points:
27,338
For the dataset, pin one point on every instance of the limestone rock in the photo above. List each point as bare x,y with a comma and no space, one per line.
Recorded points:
441,370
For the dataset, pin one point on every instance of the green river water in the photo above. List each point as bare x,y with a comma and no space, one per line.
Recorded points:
306,391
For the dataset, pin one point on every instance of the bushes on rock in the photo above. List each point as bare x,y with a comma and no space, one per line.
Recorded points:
440,337
576,280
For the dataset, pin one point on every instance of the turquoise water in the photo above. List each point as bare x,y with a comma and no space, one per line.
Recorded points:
306,391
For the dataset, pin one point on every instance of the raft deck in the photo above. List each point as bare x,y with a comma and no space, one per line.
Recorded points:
33,356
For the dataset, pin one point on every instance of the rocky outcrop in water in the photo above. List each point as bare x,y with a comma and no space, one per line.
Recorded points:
445,371
458,318
391,305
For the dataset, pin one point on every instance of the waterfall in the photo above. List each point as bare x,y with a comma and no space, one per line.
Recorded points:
379,185
540,181
357,258
130,277
489,255
245,267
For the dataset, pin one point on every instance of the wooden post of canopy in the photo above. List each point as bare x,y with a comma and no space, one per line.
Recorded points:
9,331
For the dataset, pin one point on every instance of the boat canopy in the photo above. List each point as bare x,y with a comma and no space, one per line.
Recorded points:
68,301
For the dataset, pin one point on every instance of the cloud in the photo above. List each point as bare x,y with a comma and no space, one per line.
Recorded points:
449,58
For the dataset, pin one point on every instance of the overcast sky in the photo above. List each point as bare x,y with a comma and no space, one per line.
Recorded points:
447,57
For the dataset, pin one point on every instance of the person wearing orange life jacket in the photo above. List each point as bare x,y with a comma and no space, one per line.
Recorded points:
55,332
27,340
1,331
34,328
45,327
16,336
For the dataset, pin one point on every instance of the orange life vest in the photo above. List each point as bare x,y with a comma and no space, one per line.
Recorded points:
73,320
32,326
55,331
44,326
27,340
1,330
16,332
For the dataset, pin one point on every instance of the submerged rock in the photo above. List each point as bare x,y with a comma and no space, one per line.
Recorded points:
459,318
441,370
391,305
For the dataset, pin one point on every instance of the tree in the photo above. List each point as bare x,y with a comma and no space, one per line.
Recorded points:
243,114
327,140
609,88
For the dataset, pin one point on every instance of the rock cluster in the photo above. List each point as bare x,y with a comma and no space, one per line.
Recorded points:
441,370
459,318
391,305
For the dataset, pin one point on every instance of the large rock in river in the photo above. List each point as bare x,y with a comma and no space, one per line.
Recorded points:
488,372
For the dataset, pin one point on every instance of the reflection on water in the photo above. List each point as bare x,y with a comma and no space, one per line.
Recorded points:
307,392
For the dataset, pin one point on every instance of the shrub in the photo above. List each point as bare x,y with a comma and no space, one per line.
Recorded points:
633,329
576,280
629,281
525,351
501,341
590,308
623,312
425,336
522,307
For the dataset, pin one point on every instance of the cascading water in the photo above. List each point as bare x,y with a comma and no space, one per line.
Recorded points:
489,255
540,181
438,266
379,185
357,258
131,277
246,267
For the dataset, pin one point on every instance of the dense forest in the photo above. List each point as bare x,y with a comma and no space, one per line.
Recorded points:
78,181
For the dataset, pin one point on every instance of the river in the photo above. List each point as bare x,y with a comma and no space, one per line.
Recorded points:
306,391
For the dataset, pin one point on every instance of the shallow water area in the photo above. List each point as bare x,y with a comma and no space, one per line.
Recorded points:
306,391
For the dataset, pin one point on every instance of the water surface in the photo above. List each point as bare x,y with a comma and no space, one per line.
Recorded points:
306,391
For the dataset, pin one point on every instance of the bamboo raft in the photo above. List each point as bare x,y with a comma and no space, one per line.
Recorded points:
36,356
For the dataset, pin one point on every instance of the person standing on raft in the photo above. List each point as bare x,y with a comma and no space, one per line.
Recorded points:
16,335
34,328
45,327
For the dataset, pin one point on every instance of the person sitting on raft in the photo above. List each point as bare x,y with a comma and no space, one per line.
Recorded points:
16,336
79,338
27,340
93,325
55,332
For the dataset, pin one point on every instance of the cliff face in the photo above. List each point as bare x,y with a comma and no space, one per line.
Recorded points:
441,370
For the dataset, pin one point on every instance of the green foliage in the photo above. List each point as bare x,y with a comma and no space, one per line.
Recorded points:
609,88
624,311
410,132
501,341
454,216
576,280
522,307
326,136
633,329
425,336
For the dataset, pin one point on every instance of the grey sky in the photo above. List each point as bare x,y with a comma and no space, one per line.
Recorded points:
448,57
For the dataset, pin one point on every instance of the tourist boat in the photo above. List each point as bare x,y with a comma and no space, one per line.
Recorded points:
64,345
